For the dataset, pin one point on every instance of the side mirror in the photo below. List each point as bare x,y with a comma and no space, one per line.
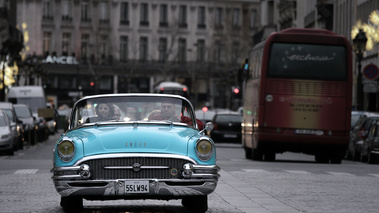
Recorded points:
209,126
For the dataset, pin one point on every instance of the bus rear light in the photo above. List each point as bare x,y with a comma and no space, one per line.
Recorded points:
269,98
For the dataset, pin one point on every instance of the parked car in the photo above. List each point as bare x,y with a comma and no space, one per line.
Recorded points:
15,123
359,134
6,138
355,116
42,129
227,127
29,125
63,118
151,149
370,148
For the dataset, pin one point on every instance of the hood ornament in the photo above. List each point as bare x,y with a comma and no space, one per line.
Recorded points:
135,125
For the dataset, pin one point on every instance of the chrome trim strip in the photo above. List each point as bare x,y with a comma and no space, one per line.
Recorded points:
131,167
127,155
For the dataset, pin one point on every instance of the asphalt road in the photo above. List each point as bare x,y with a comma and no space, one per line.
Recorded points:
293,183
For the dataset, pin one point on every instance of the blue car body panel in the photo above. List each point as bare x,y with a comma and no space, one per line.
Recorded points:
126,139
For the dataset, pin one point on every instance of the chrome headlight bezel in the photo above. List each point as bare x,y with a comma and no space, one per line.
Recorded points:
66,157
204,149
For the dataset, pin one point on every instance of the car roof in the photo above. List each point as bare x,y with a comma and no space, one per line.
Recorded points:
6,105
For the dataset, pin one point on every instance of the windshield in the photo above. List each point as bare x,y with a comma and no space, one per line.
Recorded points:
2,121
307,61
133,109
22,112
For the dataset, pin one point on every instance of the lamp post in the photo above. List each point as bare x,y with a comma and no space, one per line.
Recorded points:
359,46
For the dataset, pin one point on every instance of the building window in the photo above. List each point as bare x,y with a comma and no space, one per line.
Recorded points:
84,45
182,50
66,8
46,42
103,46
84,16
200,50
46,10
235,52
163,16
162,50
252,18
218,52
143,49
66,41
124,17
123,48
236,18
144,17
104,14
201,18
218,18
106,83
183,16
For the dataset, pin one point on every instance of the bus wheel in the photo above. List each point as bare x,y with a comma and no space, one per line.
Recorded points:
270,156
336,159
322,158
248,153
257,155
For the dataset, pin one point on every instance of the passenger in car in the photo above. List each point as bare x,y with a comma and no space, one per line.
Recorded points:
104,112
167,112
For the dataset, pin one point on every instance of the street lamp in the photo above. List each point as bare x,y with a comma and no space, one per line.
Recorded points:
359,46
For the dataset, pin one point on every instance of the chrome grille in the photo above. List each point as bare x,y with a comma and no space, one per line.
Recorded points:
98,172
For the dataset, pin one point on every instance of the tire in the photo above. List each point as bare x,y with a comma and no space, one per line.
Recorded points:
270,156
196,204
322,158
248,153
336,159
370,158
257,155
72,204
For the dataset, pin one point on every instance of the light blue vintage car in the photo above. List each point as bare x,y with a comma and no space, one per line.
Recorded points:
135,146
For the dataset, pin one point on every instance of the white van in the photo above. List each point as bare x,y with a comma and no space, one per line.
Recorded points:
33,96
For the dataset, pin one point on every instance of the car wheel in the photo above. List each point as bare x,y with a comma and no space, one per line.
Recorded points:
370,158
72,204
356,156
248,153
363,158
198,204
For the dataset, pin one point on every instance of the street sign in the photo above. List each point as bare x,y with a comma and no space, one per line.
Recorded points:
370,72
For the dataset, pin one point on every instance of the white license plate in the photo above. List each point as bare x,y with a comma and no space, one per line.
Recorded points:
136,187
304,131
230,136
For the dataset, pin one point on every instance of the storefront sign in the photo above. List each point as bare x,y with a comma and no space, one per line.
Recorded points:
60,60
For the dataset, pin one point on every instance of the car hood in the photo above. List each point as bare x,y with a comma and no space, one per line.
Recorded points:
142,139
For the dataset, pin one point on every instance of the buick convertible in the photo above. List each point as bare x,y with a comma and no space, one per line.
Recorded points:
135,146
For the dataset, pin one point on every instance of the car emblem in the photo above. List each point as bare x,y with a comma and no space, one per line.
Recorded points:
230,124
136,167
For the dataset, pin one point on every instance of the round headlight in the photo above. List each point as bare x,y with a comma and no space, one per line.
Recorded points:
204,149
66,150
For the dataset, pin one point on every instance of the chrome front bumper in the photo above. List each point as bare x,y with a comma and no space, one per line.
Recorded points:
76,181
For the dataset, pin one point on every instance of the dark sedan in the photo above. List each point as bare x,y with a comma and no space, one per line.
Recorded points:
227,127
359,134
370,148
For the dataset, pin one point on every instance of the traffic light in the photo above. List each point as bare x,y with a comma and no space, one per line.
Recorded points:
236,92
